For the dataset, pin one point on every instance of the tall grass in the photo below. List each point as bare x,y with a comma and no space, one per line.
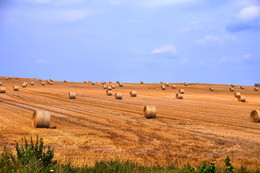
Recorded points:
34,157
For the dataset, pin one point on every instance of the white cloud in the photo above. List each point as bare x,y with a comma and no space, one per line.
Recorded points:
160,3
58,2
236,59
218,39
164,49
42,61
61,15
115,1
249,13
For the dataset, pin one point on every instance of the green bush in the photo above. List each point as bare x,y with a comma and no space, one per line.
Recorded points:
35,157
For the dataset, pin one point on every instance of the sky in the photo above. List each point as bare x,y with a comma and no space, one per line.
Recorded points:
201,41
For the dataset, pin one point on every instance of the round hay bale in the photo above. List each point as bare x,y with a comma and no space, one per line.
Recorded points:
1,83
24,85
93,83
212,89
163,87
242,99
51,80
16,88
166,84
237,94
16,77
181,91
173,87
255,116
85,81
40,80
232,85
113,87
141,82
6,78
179,96
133,93
110,82
186,84
256,89
43,83
41,119
121,85
149,111
109,92
65,81
32,83
51,83
104,82
109,87
2,90
72,95
241,87
118,95
118,82
105,87
231,89
161,82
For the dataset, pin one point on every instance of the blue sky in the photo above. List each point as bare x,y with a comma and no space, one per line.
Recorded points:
131,40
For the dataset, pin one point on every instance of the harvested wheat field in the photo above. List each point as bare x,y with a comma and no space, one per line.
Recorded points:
204,126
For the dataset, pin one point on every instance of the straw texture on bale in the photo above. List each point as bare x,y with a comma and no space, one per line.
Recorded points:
212,89
32,83
118,95
237,94
241,87
179,96
41,119
43,83
2,90
51,83
72,95
231,89
255,116
104,86
109,92
133,93
242,99
181,91
113,87
109,87
16,88
24,85
173,87
256,89
167,84
163,87
149,111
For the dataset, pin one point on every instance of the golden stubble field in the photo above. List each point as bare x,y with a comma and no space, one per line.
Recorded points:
204,126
